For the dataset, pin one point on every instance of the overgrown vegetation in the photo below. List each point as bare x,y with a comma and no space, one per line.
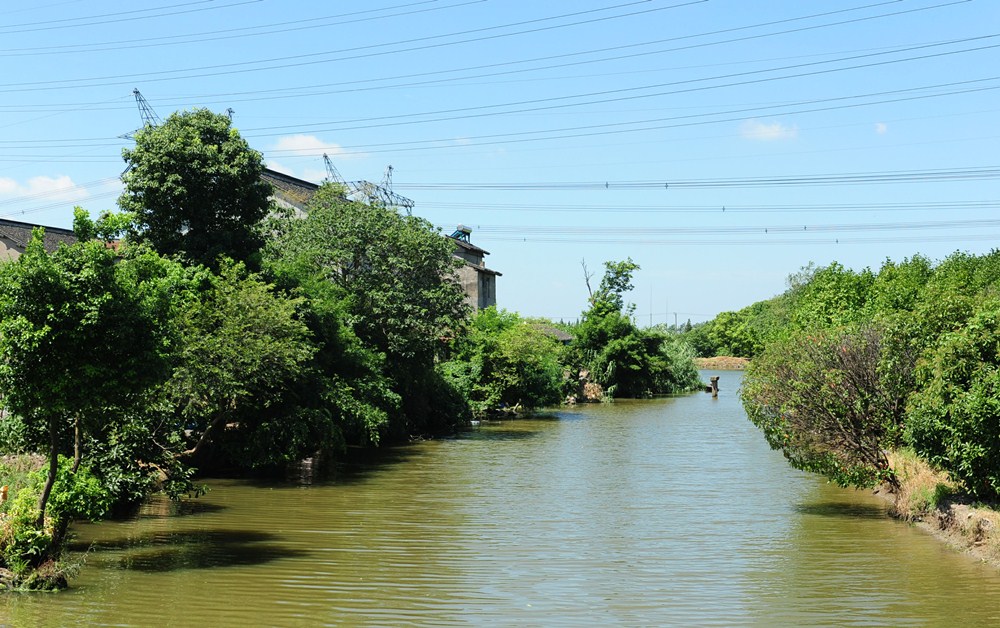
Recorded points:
503,362
850,366
622,358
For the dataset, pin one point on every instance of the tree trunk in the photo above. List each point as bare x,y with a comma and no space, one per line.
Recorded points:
77,452
43,499
205,436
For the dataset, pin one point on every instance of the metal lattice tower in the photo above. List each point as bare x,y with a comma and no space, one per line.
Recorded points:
368,192
332,174
149,117
383,195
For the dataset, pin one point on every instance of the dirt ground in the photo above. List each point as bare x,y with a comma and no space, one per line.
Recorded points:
722,363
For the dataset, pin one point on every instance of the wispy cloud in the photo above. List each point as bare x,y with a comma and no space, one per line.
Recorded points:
755,129
306,146
881,128
61,188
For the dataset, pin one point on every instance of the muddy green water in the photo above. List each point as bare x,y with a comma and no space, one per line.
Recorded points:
666,512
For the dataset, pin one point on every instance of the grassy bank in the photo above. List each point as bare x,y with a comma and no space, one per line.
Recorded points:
929,498
22,544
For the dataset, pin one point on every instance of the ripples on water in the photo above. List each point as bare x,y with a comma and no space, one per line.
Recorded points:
665,512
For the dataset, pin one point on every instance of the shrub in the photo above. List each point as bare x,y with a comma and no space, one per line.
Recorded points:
505,361
954,416
825,400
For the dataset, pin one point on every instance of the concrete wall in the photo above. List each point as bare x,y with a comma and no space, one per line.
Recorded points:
9,250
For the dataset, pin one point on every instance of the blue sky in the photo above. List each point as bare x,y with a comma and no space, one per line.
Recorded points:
721,144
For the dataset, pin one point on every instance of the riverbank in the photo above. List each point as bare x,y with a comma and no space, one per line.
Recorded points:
722,363
929,499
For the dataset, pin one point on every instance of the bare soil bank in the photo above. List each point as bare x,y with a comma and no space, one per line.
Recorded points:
722,363
925,499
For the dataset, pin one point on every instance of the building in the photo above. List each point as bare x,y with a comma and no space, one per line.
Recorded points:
290,192
478,282
15,236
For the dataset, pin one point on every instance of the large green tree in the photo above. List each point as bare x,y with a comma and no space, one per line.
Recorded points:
393,277
241,348
504,361
80,344
194,187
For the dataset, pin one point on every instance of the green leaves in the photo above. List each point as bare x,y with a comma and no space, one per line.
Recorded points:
955,411
194,188
822,395
392,279
627,361
823,399
504,361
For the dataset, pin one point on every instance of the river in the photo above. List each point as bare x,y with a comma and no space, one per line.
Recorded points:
662,512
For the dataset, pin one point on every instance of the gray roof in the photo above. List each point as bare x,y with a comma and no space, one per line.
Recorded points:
292,190
19,233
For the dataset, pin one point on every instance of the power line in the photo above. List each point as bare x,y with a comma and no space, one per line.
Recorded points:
162,75
168,40
631,90
58,24
727,230
853,178
297,92
58,192
567,132
763,240
936,206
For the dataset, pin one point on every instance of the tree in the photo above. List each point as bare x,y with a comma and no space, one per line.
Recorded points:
194,188
395,280
78,345
241,346
617,280
953,416
828,402
504,361
625,360
832,295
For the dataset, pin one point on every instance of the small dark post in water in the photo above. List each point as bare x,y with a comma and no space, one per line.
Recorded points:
715,385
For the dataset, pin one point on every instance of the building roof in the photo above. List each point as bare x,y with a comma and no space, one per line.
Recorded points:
294,191
19,233
468,246
554,332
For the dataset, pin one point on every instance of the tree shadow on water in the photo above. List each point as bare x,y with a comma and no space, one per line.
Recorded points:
500,434
162,508
841,509
194,549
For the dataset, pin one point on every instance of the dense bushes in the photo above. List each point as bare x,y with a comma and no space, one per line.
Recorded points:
859,363
955,412
503,361
625,360
823,400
